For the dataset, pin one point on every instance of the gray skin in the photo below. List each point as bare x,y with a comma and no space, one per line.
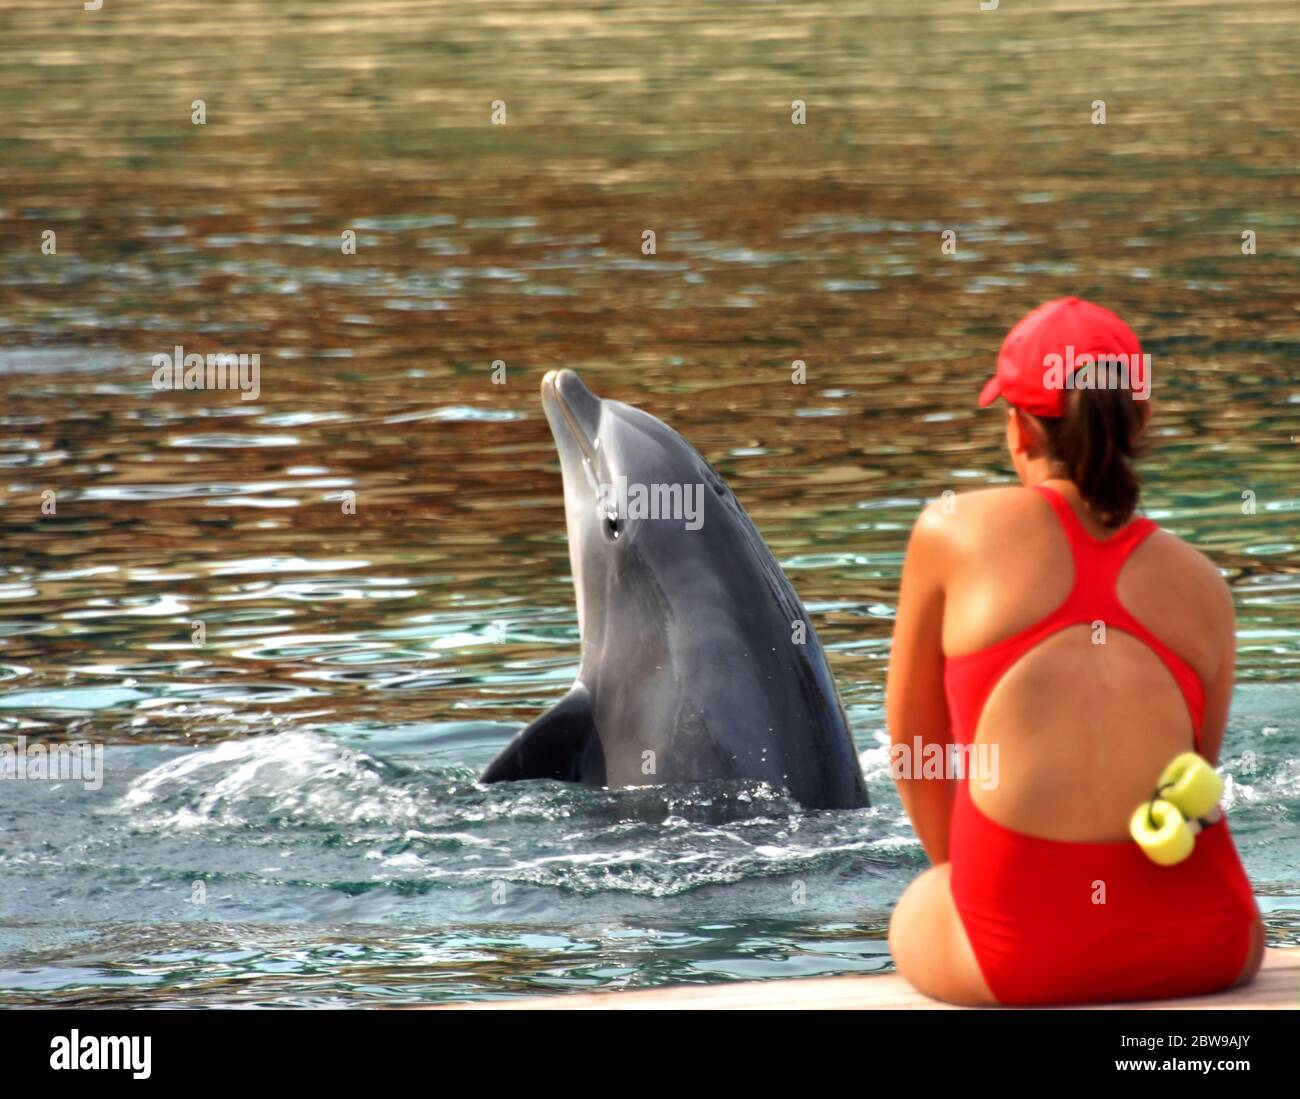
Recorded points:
690,669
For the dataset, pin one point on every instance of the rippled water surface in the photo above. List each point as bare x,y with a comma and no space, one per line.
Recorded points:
289,813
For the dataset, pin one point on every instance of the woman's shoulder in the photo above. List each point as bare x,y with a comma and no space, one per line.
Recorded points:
997,516
1167,561
977,513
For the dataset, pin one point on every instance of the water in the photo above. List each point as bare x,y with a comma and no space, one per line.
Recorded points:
310,762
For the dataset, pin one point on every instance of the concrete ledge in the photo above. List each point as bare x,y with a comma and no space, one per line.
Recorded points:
1276,986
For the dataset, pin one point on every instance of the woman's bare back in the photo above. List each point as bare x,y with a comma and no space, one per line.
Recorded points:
1085,721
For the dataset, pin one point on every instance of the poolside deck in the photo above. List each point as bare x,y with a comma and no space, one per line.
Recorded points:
1277,986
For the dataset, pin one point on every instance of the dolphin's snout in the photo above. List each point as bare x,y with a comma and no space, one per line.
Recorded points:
563,392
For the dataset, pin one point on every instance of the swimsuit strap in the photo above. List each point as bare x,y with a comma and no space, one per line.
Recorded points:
1097,561
1094,596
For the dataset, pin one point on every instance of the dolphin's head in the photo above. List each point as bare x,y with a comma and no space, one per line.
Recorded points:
697,658
640,502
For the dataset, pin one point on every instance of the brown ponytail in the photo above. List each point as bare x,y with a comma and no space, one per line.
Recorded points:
1098,441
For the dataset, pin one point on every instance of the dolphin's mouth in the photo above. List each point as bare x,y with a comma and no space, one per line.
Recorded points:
570,404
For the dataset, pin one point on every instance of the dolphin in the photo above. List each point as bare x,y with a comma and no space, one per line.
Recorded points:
698,660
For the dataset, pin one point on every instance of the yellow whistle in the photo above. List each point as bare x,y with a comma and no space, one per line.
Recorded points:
1186,799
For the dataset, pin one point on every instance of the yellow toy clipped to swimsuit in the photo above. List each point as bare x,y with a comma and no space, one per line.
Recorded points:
1186,800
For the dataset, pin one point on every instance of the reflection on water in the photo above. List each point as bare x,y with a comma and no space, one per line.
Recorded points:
404,640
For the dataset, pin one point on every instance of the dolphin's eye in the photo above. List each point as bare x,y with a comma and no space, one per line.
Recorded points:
613,526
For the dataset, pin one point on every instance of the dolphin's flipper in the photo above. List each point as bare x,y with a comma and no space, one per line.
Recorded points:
561,744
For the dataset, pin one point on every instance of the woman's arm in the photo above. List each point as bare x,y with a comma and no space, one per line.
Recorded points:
1218,691
915,704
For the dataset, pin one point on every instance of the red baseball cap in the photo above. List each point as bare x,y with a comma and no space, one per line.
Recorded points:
1068,328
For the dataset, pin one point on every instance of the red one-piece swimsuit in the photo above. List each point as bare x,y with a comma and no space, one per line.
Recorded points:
1054,922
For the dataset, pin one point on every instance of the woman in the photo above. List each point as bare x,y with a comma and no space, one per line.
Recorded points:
1079,649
